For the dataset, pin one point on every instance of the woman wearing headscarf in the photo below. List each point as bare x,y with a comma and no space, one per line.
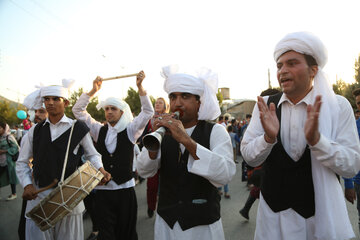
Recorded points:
8,148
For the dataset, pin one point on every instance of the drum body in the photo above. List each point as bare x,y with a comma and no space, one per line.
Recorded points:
65,197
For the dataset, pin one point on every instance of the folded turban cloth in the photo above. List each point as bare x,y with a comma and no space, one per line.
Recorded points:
204,84
330,222
58,91
126,117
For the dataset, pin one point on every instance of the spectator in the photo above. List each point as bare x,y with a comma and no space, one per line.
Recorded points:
8,148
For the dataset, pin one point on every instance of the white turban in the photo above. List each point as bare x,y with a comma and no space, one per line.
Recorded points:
126,117
330,222
58,91
205,84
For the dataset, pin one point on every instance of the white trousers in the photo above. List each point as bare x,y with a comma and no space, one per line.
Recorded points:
70,227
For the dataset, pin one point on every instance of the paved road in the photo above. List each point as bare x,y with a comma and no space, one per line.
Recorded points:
235,227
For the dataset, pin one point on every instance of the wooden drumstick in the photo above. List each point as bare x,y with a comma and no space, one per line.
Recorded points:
122,76
47,187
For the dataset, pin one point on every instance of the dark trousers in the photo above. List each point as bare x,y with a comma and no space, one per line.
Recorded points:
357,191
89,203
152,185
22,222
117,212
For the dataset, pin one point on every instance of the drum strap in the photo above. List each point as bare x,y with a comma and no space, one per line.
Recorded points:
67,154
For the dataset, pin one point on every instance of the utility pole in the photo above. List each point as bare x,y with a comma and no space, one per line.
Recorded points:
269,81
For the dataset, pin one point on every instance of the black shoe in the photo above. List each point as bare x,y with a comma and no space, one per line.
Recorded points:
93,236
244,213
150,213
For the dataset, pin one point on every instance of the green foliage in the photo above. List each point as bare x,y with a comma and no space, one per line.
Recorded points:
98,115
8,113
220,97
133,99
339,87
357,70
344,89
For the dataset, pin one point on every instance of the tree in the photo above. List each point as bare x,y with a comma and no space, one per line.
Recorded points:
133,100
8,113
98,115
341,88
219,97
357,70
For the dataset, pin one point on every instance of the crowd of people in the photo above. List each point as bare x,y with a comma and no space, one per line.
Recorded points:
295,146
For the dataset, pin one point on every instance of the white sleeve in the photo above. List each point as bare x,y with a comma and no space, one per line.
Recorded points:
343,154
215,164
136,153
254,148
80,113
23,170
147,167
90,152
137,126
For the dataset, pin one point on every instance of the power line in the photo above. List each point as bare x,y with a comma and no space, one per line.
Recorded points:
34,16
49,12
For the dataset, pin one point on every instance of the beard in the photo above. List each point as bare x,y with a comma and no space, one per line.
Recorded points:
37,119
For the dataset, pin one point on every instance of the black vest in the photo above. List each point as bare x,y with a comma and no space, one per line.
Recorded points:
185,197
49,156
286,183
120,163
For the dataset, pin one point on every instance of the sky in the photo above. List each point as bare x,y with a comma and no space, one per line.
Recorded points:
46,41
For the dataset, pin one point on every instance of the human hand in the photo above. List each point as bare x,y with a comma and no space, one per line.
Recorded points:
29,192
269,120
106,178
96,86
350,195
139,79
178,132
311,128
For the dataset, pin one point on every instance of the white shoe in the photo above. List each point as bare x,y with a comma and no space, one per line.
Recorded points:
11,197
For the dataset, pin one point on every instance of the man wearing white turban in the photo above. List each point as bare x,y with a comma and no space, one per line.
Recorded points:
46,143
116,205
37,111
194,159
303,137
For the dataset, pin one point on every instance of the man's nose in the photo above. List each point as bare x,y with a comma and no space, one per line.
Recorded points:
283,69
178,101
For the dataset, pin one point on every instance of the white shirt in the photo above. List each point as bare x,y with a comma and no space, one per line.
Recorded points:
134,131
18,134
23,170
341,155
215,164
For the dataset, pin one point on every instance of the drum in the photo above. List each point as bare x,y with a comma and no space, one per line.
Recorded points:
65,197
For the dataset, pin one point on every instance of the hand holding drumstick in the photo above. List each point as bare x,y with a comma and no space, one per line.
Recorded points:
97,83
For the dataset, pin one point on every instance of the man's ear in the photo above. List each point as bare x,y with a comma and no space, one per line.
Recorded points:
313,71
66,102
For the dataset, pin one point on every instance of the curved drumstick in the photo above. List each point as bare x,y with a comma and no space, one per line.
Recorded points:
47,187
122,76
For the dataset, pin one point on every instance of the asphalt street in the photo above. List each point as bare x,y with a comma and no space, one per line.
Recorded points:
235,226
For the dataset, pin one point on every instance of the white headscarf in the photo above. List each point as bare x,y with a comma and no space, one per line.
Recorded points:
126,117
33,101
205,84
58,91
331,218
